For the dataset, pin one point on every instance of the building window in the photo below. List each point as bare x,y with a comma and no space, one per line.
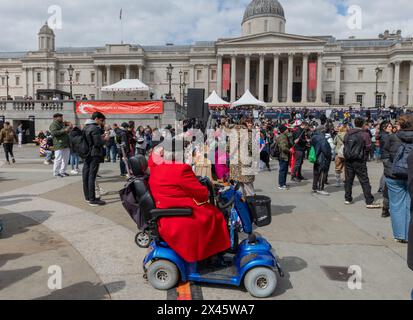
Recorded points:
329,98
329,73
213,75
78,97
39,77
186,76
359,99
92,97
379,101
380,75
122,76
152,76
92,77
266,26
17,80
342,75
62,77
199,75
298,71
3,81
77,77
360,74
341,102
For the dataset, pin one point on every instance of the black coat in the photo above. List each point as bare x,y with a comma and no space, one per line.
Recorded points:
322,149
410,248
94,139
391,148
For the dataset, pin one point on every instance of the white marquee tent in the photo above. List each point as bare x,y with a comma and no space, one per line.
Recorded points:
248,100
126,89
215,101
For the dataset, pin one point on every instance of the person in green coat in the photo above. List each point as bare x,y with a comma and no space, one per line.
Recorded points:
61,144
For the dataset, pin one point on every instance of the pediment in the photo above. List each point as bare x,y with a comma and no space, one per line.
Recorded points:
271,38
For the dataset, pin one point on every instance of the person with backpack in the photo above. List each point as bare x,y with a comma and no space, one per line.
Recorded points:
300,148
339,151
395,154
93,135
356,150
323,157
122,142
281,150
410,183
7,138
74,157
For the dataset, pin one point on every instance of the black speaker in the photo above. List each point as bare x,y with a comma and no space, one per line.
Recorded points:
196,98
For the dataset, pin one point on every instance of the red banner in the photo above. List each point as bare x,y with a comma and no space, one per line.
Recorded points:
226,77
312,76
119,107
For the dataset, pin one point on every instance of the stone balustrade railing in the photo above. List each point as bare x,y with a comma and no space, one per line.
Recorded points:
34,106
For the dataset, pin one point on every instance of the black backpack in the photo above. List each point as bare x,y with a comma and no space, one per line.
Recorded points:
275,150
400,167
80,145
354,147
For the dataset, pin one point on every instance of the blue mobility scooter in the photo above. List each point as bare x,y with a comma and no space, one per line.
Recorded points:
251,262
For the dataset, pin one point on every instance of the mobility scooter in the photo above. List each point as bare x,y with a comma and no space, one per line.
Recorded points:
251,262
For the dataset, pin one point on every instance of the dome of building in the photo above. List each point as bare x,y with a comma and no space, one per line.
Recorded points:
263,8
46,30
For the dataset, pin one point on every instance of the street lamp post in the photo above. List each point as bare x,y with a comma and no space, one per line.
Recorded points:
169,71
184,85
7,84
71,70
180,87
377,85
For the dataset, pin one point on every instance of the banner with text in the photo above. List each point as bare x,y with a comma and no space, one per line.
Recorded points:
226,77
312,76
119,107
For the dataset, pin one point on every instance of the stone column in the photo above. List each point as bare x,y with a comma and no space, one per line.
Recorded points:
206,75
233,77
290,78
304,92
261,81
319,79
97,81
396,90
108,75
275,80
128,68
219,76
247,72
140,70
338,83
390,75
410,104
24,81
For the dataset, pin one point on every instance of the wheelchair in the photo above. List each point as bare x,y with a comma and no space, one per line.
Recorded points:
251,263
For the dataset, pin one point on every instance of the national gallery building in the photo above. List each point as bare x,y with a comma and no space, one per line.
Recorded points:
278,68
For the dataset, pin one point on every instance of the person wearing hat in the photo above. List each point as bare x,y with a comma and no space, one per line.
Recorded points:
122,142
61,143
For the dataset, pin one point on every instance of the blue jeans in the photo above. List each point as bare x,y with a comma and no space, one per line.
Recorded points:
74,161
112,153
49,155
283,172
400,202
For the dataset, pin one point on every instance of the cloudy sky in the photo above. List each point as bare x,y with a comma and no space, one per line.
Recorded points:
96,22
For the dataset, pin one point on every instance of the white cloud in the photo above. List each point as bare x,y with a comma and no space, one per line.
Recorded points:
96,22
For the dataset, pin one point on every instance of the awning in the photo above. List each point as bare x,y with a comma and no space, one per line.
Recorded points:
126,85
248,100
215,101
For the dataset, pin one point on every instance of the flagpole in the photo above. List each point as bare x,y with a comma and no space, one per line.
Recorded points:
121,24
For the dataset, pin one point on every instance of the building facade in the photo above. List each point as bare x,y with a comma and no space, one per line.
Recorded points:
270,63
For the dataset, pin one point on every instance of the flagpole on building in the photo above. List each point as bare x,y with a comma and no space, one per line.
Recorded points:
121,24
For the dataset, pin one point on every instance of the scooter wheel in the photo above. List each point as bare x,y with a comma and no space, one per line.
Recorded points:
163,275
261,282
143,240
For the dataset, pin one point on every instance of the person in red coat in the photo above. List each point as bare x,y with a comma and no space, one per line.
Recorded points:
194,238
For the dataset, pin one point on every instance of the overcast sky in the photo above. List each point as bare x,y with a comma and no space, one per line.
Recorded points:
146,22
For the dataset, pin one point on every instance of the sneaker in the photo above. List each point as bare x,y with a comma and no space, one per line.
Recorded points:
13,160
8,162
348,202
374,206
97,203
284,188
65,174
295,180
302,179
47,163
323,193
401,241
74,172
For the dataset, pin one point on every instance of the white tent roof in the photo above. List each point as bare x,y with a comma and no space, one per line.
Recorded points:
215,101
126,85
248,100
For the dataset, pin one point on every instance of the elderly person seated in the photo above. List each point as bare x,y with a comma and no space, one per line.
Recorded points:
173,184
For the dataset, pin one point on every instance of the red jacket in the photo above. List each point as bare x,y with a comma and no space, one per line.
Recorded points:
194,238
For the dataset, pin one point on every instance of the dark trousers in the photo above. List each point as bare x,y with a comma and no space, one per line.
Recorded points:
8,150
319,177
283,172
358,169
90,171
410,247
299,160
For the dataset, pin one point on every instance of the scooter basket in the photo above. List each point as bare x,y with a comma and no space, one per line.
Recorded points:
260,208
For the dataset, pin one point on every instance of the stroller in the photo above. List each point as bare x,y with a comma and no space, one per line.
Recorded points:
251,262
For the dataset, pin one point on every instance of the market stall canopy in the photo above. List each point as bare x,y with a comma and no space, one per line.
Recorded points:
126,85
248,100
215,101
